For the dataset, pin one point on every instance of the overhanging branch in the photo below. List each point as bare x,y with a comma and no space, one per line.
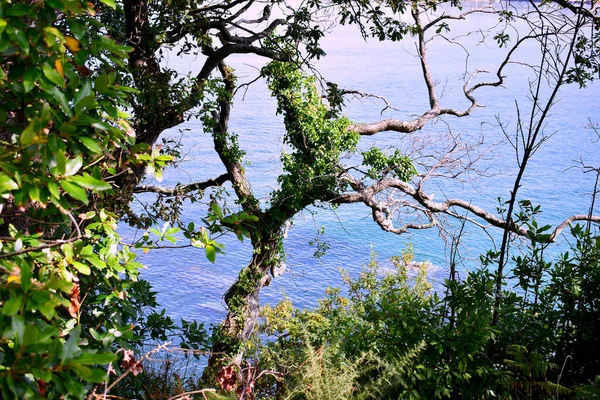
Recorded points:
183,189
384,218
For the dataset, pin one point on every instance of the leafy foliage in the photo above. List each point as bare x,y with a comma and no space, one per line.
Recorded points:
380,165
396,339
312,169
69,291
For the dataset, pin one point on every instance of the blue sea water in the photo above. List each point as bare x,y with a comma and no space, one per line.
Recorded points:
191,287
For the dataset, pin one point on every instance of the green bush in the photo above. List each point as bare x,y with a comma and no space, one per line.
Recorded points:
390,336
69,294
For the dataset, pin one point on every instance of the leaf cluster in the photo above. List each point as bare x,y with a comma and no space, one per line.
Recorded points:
69,294
398,339
316,142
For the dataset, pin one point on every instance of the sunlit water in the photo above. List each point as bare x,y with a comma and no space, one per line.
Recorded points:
189,286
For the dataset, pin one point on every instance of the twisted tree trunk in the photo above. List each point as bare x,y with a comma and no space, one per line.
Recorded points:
242,302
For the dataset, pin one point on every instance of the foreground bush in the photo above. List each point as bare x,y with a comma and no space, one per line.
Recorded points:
390,336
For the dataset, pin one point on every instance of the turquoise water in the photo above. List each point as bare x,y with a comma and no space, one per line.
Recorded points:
189,286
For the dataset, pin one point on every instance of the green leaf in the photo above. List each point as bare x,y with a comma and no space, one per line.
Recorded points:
101,83
95,358
28,135
74,191
7,184
91,183
91,144
44,375
95,375
59,98
82,268
73,165
18,327
53,76
61,161
71,348
2,24
211,253
53,188
217,210
34,193
54,32
96,261
26,275
18,10
12,306
84,98
110,3
29,79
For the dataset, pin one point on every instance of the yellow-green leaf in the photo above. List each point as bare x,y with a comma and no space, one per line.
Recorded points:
53,76
7,184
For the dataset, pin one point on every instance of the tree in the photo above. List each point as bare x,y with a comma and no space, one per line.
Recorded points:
64,137
316,132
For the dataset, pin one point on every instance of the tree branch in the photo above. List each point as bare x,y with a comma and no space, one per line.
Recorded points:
383,217
183,189
228,37
41,247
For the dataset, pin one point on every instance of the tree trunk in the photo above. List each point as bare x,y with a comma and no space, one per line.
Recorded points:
243,305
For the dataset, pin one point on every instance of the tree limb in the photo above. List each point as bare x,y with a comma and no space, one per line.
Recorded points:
183,189
383,217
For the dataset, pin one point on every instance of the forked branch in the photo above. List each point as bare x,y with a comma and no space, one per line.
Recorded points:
384,217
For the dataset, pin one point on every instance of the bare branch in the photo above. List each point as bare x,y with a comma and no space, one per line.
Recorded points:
360,94
217,6
579,9
183,189
228,37
394,125
383,216
483,10
217,56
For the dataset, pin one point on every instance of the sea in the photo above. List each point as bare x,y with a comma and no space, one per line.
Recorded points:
189,286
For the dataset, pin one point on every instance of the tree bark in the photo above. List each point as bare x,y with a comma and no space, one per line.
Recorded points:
243,305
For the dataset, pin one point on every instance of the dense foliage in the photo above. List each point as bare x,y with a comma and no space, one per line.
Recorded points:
69,289
388,335
85,95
